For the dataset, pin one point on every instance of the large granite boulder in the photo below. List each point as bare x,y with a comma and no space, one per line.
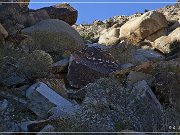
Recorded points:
150,25
62,12
111,37
55,36
169,45
88,65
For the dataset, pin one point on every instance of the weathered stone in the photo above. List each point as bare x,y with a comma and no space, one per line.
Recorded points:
139,59
163,44
35,17
56,84
13,79
42,99
150,54
9,66
3,105
55,36
126,108
134,77
125,68
175,35
88,65
60,66
33,126
144,97
20,41
26,43
140,28
123,52
167,87
167,66
111,37
144,68
47,128
102,47
62,12
157,34
141,56
169,45
12,16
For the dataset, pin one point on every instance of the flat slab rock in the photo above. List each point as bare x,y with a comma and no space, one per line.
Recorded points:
88,65
43,100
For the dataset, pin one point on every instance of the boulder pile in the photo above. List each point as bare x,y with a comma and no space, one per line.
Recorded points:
117,75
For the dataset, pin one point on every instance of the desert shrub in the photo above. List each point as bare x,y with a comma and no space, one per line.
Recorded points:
36,64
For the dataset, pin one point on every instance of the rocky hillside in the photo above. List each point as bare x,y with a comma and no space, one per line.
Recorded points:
117,75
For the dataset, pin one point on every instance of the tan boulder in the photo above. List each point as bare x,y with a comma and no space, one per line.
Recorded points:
159,33
111,37
169,45
150,25
163,44
175,35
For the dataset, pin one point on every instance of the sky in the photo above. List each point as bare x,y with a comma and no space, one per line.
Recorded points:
87,12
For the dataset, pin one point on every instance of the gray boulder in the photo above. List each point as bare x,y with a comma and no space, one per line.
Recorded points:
55,36
135,77
42,100
134,109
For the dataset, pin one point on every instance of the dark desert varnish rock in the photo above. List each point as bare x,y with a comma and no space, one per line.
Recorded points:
12,16
62,12
167,88
88,65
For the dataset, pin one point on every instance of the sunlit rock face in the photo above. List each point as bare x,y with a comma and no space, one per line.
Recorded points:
150,25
